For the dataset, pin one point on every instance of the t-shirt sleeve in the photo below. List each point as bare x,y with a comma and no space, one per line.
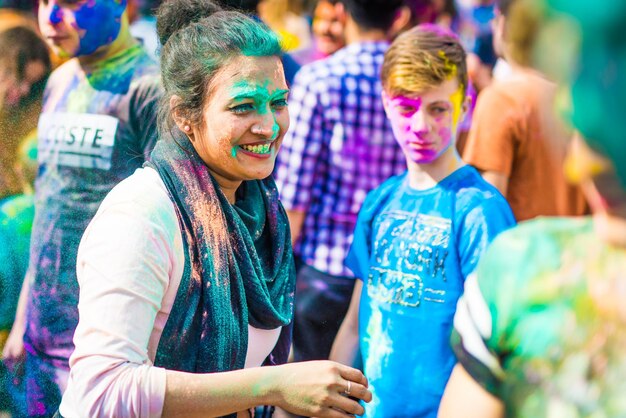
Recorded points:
478,228
143,113
297,162
491,142
123,268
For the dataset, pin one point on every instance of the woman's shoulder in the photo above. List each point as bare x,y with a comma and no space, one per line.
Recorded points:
142,196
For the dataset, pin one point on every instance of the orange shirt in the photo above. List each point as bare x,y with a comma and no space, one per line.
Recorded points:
515,132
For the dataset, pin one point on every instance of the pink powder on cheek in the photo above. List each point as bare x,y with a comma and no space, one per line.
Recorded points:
445,136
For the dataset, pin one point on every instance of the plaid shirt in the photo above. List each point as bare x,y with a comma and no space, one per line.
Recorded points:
338,148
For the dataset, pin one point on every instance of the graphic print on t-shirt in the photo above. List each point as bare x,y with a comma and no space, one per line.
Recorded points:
408,249
77,140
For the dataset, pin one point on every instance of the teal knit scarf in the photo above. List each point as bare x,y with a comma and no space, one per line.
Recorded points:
238,270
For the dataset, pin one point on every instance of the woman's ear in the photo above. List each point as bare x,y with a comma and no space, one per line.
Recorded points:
181,121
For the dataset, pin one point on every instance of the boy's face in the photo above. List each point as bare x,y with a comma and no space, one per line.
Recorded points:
79,27
425,124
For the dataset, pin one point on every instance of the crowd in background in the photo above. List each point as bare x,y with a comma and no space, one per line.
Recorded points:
419,133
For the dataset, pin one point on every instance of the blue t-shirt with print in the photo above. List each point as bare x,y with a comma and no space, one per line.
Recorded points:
413,250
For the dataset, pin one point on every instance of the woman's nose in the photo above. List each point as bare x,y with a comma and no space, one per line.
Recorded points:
267,127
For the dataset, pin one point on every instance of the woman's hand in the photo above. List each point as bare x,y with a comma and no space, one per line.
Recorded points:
321,389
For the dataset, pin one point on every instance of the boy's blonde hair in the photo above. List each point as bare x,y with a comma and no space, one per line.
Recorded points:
421,59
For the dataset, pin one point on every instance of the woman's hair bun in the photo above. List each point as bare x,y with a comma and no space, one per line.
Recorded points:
174,15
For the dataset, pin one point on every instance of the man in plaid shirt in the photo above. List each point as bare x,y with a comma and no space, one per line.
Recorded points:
339,147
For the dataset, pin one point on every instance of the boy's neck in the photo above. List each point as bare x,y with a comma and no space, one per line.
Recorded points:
427,176
123,41
354,33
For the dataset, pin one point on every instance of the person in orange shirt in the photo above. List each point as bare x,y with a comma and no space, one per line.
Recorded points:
516,139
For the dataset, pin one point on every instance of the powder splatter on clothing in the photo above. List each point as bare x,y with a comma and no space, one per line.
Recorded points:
413,249
541,324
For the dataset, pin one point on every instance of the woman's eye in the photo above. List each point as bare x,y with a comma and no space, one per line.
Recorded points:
279,104
242,108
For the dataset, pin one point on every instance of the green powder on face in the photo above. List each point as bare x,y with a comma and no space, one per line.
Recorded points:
233,152
275,130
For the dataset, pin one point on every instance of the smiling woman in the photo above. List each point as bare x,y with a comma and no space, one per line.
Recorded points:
246,119
190,258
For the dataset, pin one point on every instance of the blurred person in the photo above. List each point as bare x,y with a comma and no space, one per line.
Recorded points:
420,234
328,26
442,12
143,24
96,127
16,221
517,140
475,31
10,18
293,29
18,13
186,272
24,69
328,32
540,330
340,147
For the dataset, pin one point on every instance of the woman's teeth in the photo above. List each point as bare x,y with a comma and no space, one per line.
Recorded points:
257,149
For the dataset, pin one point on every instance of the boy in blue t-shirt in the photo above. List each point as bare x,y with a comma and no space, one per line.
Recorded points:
420,234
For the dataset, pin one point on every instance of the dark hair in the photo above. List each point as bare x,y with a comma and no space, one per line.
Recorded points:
22,5
193,54
373,14
246,6
20,46
175,14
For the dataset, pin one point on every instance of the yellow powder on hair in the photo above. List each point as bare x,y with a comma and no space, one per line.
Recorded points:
457,99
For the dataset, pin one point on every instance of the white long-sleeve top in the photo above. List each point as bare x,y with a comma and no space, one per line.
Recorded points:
130,263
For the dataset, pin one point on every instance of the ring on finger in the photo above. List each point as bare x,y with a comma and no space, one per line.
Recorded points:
347,391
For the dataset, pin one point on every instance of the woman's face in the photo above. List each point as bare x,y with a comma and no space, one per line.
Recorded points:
244,120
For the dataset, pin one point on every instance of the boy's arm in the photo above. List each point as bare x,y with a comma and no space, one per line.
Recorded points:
465,398
296,220
498,180
492,139
347,341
